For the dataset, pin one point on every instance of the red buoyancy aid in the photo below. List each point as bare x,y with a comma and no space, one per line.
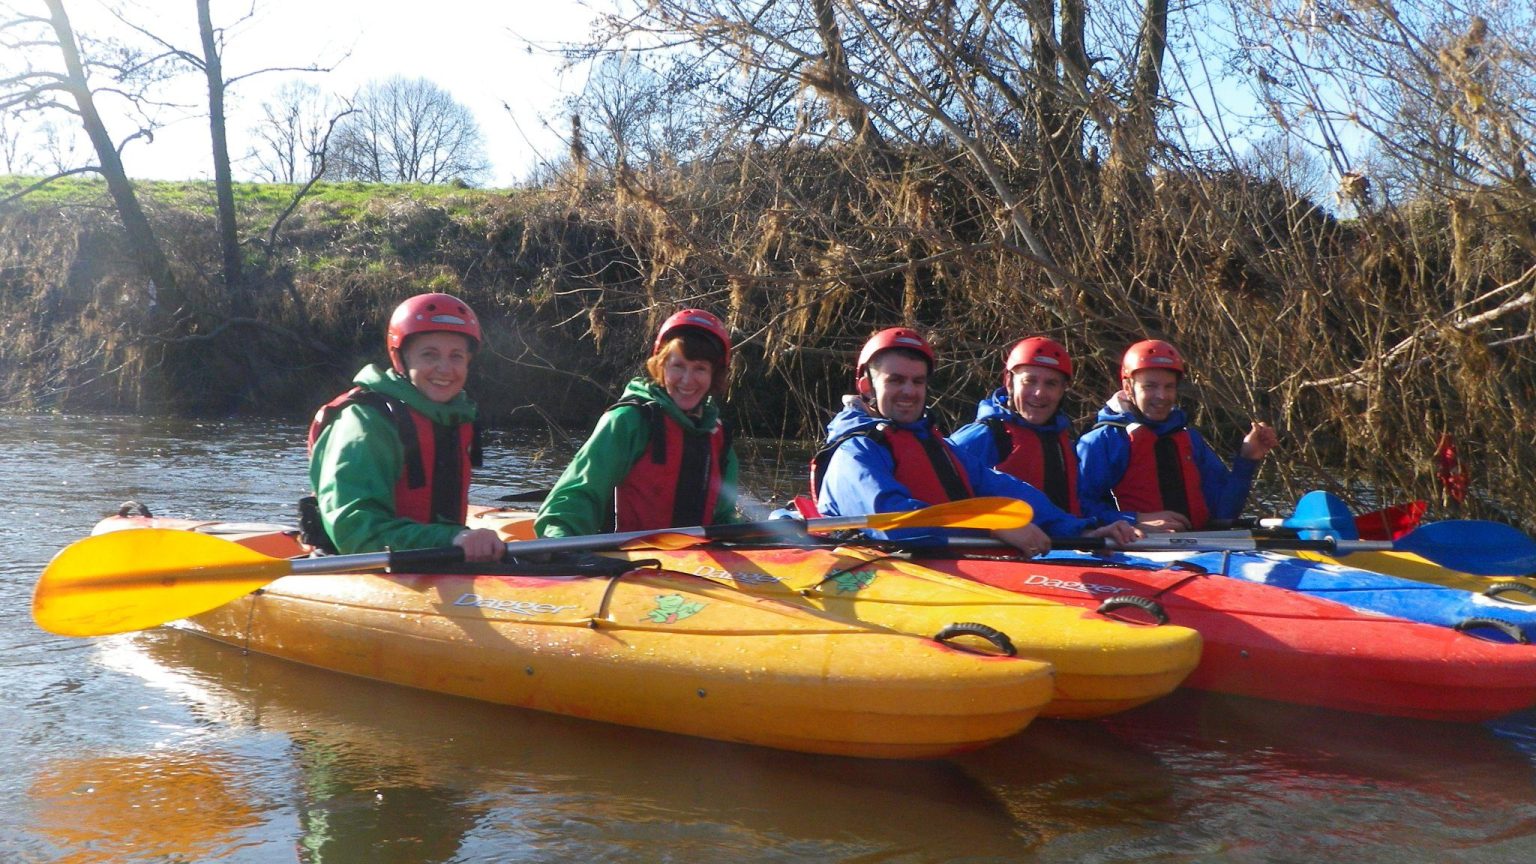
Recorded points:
434,481
926,466
1044,459
676,482
1162,475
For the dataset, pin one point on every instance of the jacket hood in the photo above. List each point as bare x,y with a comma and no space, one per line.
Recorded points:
459,409
855,416
649,391
1119,411
996,405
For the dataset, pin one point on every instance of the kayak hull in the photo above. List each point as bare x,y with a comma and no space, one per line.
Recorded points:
653,649
1102,666
1266,642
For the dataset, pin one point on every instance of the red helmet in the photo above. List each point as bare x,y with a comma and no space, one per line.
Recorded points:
893,337
1042,352
696,319
430,313
1151,354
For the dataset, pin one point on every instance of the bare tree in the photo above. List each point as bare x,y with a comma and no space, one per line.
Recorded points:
293,133
317,143
208,59
212,63
15,153
1011,85
1426,113
61,145
68,87
409,131
1444,92
1426,106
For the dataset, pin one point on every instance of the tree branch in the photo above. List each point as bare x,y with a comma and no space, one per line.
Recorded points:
1434,331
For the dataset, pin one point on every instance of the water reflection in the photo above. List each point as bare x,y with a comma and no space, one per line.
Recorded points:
1076,784
1257,777
390,774
352,804
166,805
1328,746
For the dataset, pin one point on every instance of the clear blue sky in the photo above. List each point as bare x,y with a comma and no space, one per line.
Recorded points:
476,50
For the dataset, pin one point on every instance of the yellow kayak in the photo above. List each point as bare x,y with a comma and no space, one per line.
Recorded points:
648,648
1102,665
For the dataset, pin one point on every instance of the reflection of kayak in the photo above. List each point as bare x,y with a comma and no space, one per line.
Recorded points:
1102,666
1294,748
163,805
447,768
1268,642
649,648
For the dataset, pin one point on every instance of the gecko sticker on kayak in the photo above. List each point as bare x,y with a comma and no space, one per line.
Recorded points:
853,581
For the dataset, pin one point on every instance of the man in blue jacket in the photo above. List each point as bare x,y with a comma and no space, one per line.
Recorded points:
1020,428
884,454
1143,464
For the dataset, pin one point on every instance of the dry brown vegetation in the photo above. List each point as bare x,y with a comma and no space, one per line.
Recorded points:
1345,335
1350,337
972,169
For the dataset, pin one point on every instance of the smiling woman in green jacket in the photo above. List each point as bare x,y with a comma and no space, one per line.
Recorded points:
660,457
390,458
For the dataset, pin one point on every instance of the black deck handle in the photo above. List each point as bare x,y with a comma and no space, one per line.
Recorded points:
1136,601
998,638
1470,627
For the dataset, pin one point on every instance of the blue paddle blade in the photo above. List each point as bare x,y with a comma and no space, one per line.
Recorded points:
1320,514
1472,546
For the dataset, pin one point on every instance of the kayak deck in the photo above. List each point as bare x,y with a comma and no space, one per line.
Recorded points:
1406,565
647,648
1507,616
1268,642
1102,666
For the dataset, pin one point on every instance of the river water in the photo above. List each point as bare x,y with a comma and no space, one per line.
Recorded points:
163,747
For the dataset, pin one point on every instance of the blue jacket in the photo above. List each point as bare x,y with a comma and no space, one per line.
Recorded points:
1103,456
860,479
978,438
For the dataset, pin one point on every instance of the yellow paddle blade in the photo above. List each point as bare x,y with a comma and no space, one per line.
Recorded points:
143,577
989,514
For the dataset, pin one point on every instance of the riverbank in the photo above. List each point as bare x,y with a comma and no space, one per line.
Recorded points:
1355,338
86,333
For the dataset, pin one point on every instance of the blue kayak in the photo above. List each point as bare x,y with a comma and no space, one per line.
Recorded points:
1498,617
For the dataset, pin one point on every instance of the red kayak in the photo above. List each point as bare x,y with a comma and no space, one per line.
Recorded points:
1271,643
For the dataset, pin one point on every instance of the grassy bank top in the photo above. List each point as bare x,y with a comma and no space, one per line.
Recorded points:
255,202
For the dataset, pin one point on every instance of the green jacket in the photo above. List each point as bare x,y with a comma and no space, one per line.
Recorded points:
582,500
357,461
